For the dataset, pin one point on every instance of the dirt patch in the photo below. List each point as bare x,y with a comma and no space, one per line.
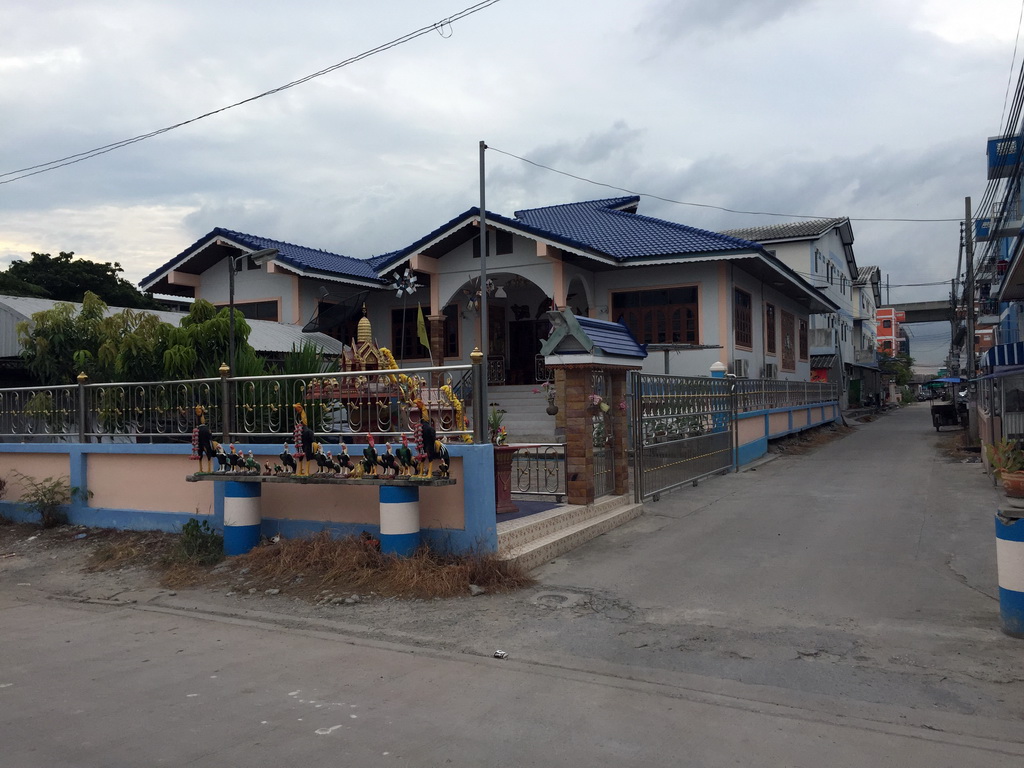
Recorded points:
809,440
955,446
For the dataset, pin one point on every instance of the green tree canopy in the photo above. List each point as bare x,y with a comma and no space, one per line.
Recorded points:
66,278
900,367
59,343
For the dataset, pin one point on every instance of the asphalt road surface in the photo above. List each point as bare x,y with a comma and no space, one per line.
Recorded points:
833,608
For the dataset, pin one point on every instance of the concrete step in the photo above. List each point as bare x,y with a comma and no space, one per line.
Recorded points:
534,540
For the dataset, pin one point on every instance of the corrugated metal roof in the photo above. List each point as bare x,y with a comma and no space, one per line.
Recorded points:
809,228
823,361
265,336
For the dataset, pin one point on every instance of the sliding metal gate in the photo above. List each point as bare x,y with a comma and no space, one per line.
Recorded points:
682,430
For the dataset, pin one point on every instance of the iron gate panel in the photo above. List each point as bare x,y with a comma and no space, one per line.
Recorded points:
683,430
601,425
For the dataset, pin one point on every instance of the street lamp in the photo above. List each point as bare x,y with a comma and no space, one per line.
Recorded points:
260,258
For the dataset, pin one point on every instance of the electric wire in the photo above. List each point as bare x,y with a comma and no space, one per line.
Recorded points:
439,27
707,205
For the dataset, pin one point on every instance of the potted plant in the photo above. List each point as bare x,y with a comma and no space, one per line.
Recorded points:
502,462
1007,461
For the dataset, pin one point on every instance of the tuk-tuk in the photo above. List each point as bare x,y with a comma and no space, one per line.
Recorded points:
951,410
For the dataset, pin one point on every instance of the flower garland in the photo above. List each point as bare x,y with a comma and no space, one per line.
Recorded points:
460,420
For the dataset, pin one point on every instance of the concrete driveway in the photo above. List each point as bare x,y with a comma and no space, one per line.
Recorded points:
836,607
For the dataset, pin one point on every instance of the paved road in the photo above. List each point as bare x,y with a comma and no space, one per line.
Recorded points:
833,608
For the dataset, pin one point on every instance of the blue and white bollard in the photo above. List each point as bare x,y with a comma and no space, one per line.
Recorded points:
242,517
399,519
1010,567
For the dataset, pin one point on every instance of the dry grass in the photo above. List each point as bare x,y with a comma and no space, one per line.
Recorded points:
310,566
320,563
122,549
811,439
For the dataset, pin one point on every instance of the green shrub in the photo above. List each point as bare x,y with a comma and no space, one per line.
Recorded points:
46,497
198,544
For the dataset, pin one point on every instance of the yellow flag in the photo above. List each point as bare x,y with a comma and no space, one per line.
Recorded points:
421,327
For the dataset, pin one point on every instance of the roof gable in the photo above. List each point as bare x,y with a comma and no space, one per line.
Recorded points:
220,242
577,335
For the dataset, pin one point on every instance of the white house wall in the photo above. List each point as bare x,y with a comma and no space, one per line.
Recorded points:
715,315
251,285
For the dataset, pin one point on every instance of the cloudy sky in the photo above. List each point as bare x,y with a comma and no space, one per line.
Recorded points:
872,109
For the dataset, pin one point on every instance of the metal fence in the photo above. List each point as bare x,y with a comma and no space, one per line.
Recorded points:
380,403
539,470
764,394
682,430
684,427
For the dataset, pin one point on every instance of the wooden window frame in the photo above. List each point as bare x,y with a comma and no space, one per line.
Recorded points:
788,341
671,323
771,324
803,341
742,319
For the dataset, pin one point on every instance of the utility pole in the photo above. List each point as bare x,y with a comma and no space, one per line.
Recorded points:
972,396
969,288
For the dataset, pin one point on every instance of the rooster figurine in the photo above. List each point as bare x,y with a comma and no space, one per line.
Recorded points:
406,461
345,461
202,441
389,462
287,461
370,462
236,459
223,462
252,467
303,440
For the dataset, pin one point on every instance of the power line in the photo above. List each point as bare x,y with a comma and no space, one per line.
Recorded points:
438,27
704,205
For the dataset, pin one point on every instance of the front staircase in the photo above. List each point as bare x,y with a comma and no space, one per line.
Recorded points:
526,418
532,541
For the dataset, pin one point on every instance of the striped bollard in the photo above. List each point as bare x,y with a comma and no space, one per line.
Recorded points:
399,519
242,517
1010,567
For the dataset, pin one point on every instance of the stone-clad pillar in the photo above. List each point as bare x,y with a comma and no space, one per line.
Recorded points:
579,439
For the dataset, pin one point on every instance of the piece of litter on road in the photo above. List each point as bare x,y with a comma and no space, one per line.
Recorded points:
191,695
24,584
79,536
500,655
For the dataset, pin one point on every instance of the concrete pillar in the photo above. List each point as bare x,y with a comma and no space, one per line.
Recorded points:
399,519
242,517
1010,569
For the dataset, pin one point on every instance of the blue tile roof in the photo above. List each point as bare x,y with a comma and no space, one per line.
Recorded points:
305,258
603,226
298,256
612,338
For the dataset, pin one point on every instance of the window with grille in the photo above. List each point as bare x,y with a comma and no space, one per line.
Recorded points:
803,340
788,342
743,322
660,316
770,329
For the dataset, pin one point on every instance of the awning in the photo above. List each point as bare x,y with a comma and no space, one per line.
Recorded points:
946,380
823,361
1004,354
1016,370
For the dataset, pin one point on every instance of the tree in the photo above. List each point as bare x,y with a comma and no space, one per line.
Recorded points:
59,343
900,367
65,278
